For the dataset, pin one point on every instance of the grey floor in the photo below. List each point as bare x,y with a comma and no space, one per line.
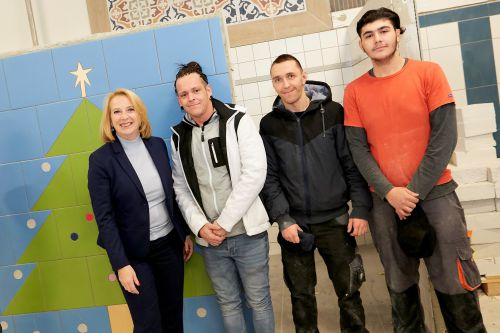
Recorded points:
373,293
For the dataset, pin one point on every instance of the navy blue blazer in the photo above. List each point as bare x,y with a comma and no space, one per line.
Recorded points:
120,206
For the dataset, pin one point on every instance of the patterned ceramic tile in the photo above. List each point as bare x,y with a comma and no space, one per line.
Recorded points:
125,14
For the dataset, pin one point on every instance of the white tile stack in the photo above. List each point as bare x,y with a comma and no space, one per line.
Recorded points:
476,169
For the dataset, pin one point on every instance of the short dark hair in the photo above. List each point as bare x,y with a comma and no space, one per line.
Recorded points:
286,57
189,68
377,14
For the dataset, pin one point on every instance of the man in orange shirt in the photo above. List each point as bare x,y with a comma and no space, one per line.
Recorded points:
401,127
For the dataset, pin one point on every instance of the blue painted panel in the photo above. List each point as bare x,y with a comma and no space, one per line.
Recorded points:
163,108
94,319
132,61
218,49
221,87
52,120
181,44
478,70
31,79
20,234
20,136
10,324
454,15
474,30
11,285
12,191
494,8
90,56
4,95
42,322
37,179
6,251
98,100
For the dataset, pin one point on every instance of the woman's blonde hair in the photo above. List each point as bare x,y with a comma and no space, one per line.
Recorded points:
106,129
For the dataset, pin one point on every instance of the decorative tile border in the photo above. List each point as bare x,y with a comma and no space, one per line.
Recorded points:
125,14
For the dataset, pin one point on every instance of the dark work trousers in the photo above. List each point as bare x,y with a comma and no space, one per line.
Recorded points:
451,267
158,306
338,250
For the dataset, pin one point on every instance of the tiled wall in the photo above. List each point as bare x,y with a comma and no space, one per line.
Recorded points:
466,43
53,276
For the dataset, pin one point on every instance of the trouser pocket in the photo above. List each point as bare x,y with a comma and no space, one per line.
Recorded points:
357,274
468,274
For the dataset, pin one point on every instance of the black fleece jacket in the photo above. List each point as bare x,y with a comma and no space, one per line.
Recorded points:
310,171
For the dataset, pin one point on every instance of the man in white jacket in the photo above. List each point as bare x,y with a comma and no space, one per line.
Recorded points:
219,168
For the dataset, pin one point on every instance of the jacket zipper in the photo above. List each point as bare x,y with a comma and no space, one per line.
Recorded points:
304,173
210,180
322,111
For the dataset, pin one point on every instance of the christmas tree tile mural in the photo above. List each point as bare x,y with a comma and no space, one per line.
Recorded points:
53,276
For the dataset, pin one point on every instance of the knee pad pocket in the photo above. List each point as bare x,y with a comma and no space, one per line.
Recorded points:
357,274
468,274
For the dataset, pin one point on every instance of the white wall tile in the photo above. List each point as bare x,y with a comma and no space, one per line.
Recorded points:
343,18
262,67
331,55
266,88
233,58
460,97
496,52
343,36
294,44
235,72
422,33
347,75
495,26
313,59
311,42
14,26
334,77
450,59
244,53
433,5
345,53
253,106
238,94
300,57
250,91
261,51
266,104
317,76
338,93
362,67
328,38
443,35
247,69
426,55
277,47
256,121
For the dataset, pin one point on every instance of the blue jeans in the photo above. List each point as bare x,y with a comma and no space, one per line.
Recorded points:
241,264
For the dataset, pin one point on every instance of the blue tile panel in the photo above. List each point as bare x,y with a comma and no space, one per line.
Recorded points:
31,79
20,136
4,94
12,191
17,233
93,319
459,14
89,55
181,44
474,30
12,279
132,60
221,87
37,176
9,321
52,120
479,64
218,49
38,322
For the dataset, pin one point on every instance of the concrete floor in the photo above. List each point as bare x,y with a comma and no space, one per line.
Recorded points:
373,293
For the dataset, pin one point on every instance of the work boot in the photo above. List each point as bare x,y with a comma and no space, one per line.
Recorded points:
407,312
461,312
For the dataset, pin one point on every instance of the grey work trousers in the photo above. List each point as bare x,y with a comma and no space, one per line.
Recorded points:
451,267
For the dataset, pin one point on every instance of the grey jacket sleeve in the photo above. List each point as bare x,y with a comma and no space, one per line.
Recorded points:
274,199
442,142
363,158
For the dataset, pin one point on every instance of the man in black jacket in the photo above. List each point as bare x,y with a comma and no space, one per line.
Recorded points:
310,179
